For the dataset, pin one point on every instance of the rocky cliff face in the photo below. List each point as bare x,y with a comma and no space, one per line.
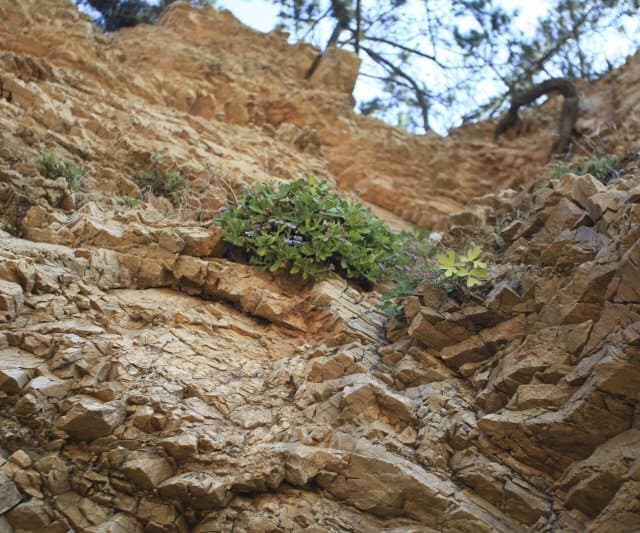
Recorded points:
149,384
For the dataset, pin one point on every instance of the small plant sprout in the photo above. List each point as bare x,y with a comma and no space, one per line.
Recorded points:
599,168
468,267
131,202
391,301
55,167
161,181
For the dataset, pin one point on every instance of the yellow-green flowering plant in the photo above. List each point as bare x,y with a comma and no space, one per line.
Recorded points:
468,267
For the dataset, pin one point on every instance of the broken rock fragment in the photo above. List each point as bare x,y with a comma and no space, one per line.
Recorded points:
147,471
11,300
9,494
89,418
200,490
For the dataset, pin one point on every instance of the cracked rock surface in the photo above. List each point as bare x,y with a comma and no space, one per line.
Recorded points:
148,383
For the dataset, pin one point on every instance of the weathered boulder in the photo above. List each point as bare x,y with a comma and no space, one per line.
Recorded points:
11,300
80,512
32,515
542,439
88,418
50,386
55,474
590,484
118,523
501,486
12,380
146,471
9,494
483,345
539,395
199,490
181,447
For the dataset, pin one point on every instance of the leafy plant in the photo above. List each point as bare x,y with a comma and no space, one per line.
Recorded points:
468,267
307,229
169,183
599,168
391,301
55,167
130,201
415,263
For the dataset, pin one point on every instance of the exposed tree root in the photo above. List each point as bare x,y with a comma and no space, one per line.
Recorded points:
566,88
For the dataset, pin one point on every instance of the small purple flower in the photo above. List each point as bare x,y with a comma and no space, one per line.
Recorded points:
407,268
298,238
291,226
222,210
243,190
278,222
257,225
249,233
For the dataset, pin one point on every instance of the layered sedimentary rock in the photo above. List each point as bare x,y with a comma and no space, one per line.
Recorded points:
149,383
229,106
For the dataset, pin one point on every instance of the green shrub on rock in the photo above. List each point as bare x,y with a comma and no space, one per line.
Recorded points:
55,167
599,167
307,229
169,183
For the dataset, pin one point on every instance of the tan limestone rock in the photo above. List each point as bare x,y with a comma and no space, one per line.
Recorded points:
20,458
337,71
200,490
591,484
11,300
485,344
12,380
425,327
79,511
118,523
146,471
502,297
584,187
181,447
539,395
55,474
608,200
9,494
32,515
499,485
50,386
88,418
